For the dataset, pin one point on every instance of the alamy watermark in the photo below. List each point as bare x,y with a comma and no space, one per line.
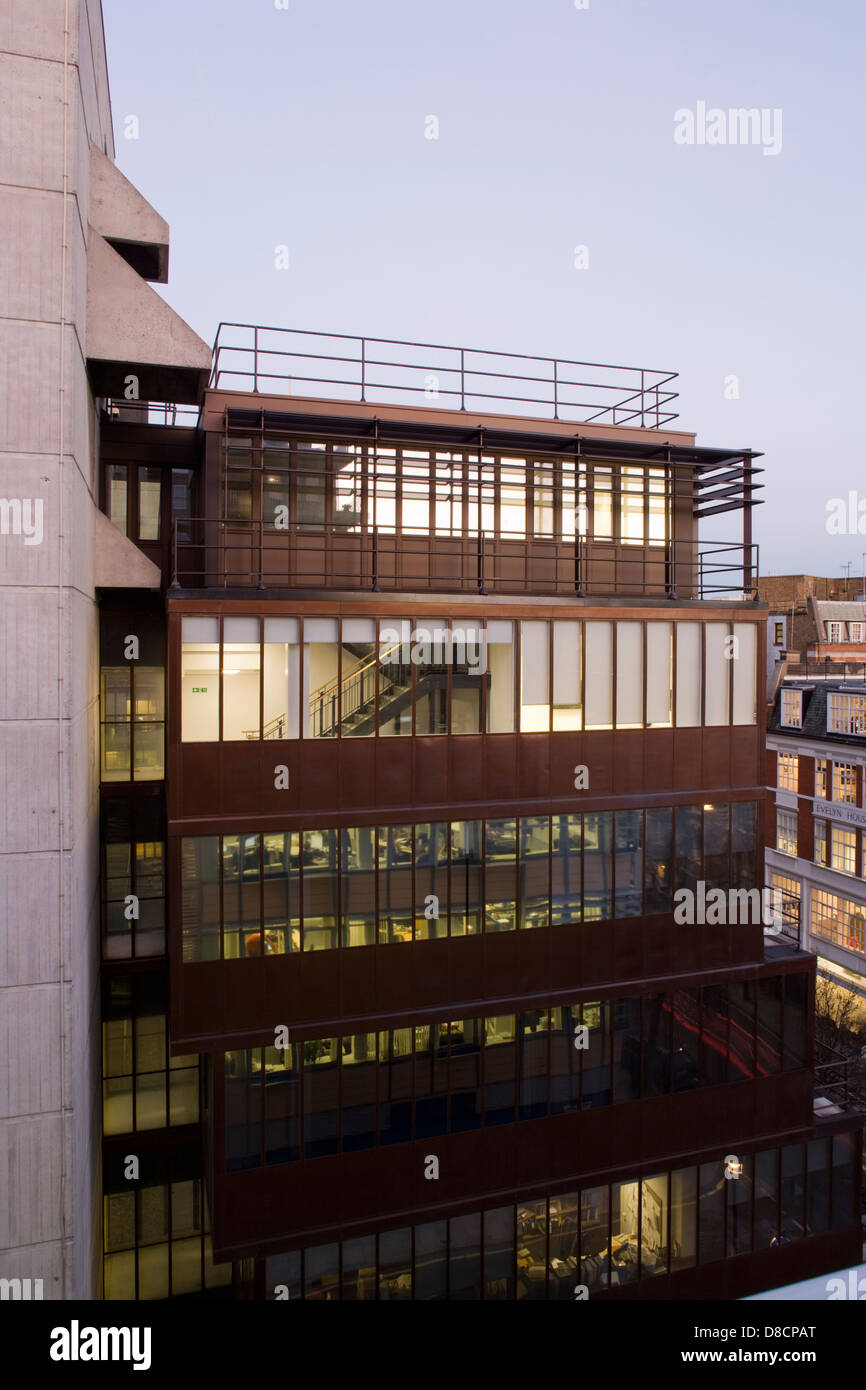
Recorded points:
22,516
715,907
435,646
712,125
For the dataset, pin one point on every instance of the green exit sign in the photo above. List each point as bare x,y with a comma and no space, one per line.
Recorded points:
199,690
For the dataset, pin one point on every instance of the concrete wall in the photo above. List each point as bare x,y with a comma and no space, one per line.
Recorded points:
54,95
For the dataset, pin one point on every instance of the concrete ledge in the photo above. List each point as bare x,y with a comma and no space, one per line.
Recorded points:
132,331
117,562
120,214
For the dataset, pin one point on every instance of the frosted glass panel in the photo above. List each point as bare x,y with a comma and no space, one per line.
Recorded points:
688,675
281,629
500,670
599,675
659,675
629,676
717,701
359,629
201,629
241,630
745,710
320,629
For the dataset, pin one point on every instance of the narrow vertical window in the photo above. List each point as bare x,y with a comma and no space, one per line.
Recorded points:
599,675
534,678
200,661
149,493
659,675
567,709
718,672
281,679
499,650
116,487
629,675
241,672
745,686
688,675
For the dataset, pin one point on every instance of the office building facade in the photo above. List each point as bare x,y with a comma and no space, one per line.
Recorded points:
458,713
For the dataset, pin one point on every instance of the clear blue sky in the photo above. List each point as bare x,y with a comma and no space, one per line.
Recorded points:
306,127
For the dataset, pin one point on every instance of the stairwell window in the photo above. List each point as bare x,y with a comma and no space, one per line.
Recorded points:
321,704
358,677
280,679
395,677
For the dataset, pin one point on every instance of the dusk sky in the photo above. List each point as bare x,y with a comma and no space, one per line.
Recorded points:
260,126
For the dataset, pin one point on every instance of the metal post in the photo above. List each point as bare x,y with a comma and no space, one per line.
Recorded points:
555,391
174,579
261,583
482,587
363,369
374,535
462,382
255,359
747,527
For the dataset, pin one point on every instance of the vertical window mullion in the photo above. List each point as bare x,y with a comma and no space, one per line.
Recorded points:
220,677
132,665
261,680
221,896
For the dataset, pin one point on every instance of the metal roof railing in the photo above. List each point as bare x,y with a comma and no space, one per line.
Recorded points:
287,361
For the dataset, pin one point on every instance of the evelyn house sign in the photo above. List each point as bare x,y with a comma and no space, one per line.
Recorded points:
839,810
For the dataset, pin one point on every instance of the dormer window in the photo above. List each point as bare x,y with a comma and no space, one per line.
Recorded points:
835,632
857,631
846,714
792,709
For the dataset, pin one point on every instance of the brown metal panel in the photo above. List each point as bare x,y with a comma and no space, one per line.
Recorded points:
629,746
688,761
716,759
465,768
394,780
431,770
501,767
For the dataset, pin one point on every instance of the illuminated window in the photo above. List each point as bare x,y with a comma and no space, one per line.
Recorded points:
821,778
631,506
786,832
792,708
787,771
843,854
786,898
846,714
844,782
839,920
